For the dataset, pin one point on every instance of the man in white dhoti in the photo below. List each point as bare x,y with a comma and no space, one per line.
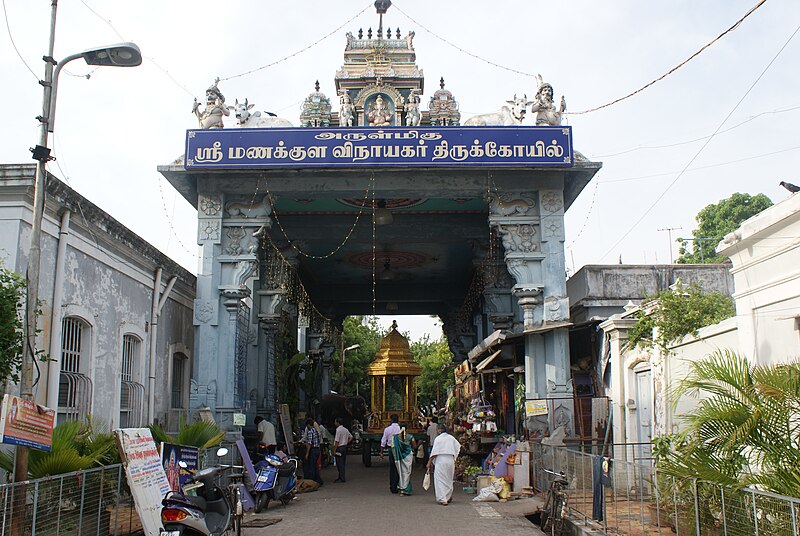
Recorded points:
443,457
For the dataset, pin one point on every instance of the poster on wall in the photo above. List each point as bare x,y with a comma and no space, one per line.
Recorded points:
145,475
535,407
26,423
171,456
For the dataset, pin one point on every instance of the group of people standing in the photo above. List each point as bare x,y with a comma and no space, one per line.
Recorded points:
441,451
312,461
444,449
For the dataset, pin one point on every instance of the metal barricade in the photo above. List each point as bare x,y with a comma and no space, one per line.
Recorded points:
95,502
635,499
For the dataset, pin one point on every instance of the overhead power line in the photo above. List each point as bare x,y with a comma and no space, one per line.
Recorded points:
13,44
615,101
701,138
468,53
691,160
681,64
318,41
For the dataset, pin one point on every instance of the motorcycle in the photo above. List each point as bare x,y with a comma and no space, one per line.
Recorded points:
275,481
204,507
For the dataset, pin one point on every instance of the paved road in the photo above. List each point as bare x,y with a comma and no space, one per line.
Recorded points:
364,506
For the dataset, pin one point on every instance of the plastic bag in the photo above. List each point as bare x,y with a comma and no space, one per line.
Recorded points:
426,482
490,492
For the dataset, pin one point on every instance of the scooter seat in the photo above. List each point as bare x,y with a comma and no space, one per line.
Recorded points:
198,501
286,469
174,497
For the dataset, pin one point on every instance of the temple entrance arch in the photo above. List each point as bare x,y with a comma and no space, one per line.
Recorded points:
377,208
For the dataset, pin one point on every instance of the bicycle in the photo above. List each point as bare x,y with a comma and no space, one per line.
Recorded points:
555,506
235,499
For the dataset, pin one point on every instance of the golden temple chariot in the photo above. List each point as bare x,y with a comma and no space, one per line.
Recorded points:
394,390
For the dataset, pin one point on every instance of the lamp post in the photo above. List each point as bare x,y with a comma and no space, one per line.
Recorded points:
119,55
341,365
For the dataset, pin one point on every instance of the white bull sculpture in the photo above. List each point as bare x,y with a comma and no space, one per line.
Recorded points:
246,119
507,116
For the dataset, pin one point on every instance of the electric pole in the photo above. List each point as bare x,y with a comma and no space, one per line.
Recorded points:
669,231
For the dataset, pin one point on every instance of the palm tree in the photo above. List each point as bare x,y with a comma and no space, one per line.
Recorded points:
745,431
201,434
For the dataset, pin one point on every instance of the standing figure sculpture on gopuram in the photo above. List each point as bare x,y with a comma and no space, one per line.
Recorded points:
543,107
211,116
346,110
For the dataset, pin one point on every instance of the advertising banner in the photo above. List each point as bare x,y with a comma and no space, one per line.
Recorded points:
264,148
26,424
171,456
145,474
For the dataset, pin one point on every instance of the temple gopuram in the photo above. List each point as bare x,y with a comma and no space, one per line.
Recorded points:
380,200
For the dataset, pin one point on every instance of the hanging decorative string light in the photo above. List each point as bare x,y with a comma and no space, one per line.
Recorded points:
293,245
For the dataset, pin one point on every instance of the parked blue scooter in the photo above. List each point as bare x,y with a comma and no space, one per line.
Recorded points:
275,481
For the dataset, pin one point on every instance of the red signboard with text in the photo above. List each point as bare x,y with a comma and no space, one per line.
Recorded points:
26,424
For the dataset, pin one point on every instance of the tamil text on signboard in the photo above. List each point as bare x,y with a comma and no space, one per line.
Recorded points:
146,477
353,147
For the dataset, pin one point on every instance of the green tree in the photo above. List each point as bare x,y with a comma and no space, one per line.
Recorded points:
436,361
12,295
676,313
714,222
744,432
364,331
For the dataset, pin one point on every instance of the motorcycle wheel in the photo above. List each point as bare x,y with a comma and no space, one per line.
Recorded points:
262,502
286,499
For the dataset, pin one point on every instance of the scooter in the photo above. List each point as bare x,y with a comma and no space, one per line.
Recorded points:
275,481
204,507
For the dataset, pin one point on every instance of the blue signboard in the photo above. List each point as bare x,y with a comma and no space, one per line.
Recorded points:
252,148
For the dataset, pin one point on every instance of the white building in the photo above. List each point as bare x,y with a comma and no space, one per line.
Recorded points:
110,356
765,256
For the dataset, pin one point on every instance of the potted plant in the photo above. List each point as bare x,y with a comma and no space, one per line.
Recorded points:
471,478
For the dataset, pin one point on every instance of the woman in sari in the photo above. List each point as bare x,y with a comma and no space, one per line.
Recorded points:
403,456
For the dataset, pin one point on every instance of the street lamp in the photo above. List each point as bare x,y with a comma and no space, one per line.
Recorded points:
119,55
341,365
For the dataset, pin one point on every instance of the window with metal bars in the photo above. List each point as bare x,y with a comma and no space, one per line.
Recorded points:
131,392
75,387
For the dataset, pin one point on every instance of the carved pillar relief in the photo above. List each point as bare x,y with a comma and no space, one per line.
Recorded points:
498,305
269,325
209,219
451,332
552,214
515,216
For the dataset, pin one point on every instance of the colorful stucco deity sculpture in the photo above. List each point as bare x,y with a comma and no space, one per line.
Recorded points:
543,107
346,111
379,115
211,116
412,109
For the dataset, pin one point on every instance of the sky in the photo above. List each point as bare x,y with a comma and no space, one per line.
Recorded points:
725,122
